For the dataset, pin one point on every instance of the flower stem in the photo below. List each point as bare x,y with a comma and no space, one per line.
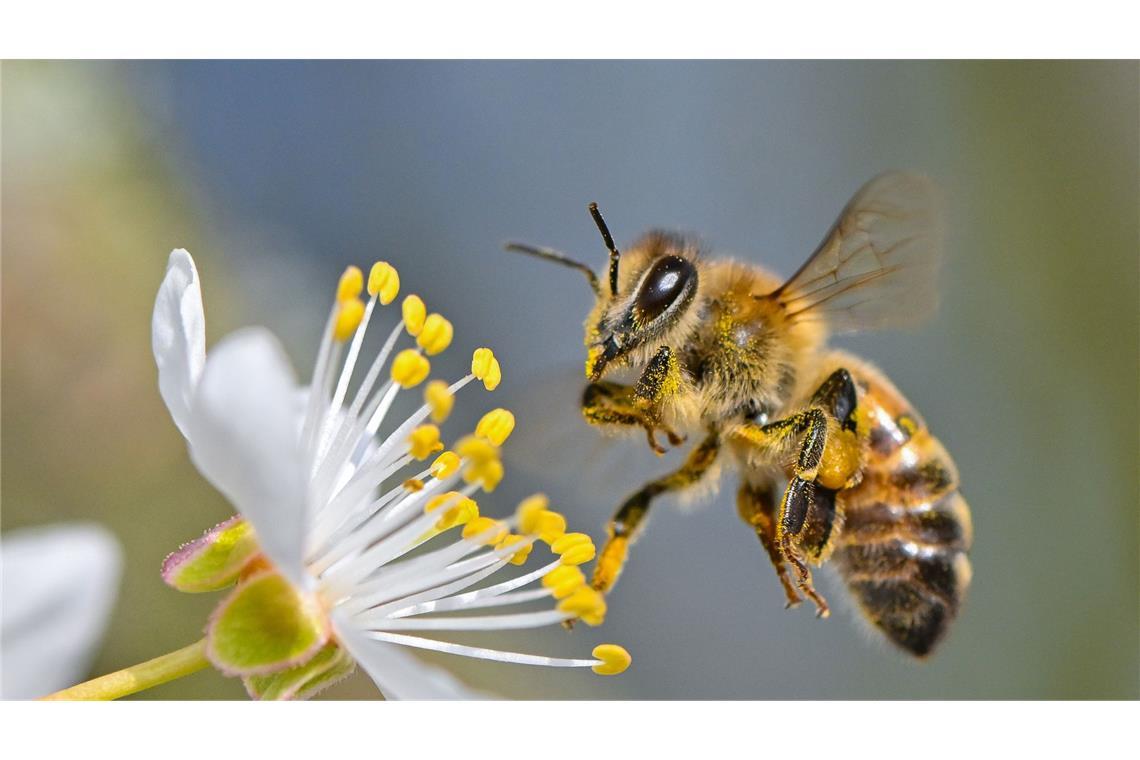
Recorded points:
176,664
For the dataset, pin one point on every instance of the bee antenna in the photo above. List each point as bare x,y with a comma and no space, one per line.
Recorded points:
558,258
615,255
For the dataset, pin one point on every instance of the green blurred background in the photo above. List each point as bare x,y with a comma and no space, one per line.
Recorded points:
276,175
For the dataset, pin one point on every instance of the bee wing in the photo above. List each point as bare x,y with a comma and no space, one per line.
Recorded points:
554,442
878,264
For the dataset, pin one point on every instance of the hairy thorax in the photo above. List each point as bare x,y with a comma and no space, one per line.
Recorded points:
747,360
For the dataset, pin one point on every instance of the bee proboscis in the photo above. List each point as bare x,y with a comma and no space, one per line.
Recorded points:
738,358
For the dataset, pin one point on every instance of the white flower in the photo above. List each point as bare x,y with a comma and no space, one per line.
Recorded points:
337,507
59,584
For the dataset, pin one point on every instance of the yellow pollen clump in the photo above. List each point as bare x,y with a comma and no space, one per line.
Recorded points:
494,529
435,335
349,313
564,581
587,604
574,548
592,356
414,485
445,465
519,557
496,426
485,367
614,659
410,368
384,281
414,313
350,284
424,441
438,396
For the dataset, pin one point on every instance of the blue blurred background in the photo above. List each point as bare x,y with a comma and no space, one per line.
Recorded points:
277,175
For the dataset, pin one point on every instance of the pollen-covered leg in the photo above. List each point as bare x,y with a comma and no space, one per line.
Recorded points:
625,525
609,403
757,507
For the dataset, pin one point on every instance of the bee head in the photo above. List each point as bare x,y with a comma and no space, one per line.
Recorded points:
644,304
644,297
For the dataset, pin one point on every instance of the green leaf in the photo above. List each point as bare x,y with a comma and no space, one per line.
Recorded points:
265,625
213,561
330,665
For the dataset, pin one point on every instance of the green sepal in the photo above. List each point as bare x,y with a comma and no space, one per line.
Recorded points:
330,665
264,626
213,561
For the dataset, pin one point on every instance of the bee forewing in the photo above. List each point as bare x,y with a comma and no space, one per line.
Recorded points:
878,264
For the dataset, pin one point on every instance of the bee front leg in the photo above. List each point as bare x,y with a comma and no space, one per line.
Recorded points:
609,403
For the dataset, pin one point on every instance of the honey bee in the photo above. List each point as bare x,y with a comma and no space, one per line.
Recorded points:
730,353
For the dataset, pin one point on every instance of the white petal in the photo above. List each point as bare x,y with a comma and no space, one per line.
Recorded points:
244,438
398,674
178,336
59,585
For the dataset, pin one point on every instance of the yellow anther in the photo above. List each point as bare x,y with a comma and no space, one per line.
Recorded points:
414,313
410,368
494,529
350,285
529,511
424,441
384,281
485,367
496,426
487,474
475,449
575,548
457,510
461,514
349,313
445,465
438,396
443,499
536,520
614,659
585,603
569,541
519,557
579,555
414,485
564,581
551,526
435,335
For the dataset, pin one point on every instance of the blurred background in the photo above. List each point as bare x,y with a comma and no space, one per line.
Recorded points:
277,175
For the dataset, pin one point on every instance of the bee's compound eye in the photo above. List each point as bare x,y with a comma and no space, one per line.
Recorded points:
666,280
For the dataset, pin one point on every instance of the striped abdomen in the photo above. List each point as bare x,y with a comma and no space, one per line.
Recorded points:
906,529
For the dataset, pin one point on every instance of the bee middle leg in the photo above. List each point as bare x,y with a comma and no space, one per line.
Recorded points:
630,516
757,507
